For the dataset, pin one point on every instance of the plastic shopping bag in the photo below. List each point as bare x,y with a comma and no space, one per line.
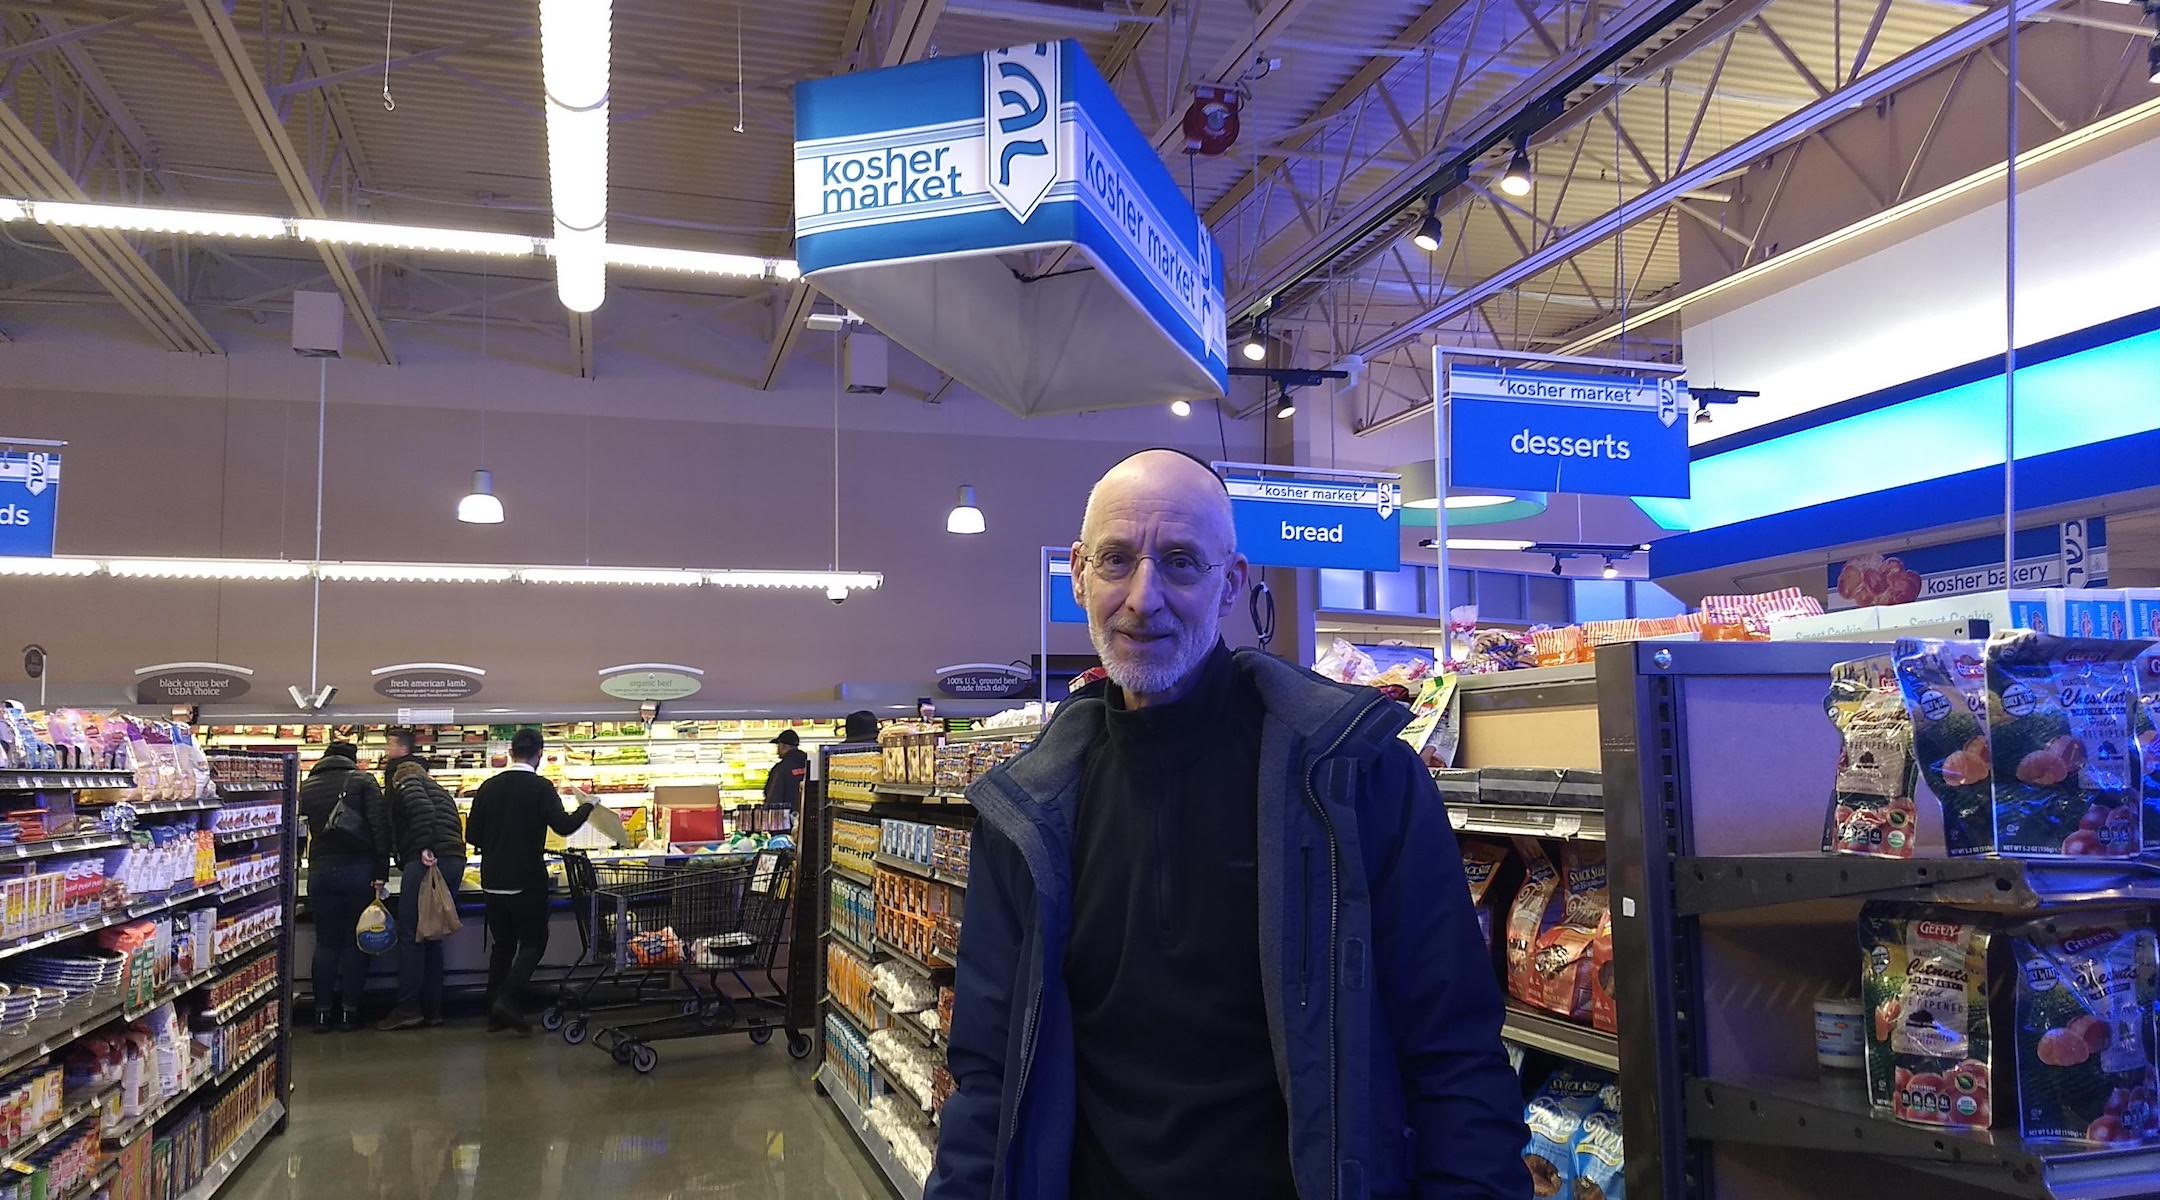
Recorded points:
377,929
438,909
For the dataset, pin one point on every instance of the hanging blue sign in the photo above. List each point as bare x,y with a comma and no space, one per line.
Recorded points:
913,184
1064,608
1352,526
1535,430
29,503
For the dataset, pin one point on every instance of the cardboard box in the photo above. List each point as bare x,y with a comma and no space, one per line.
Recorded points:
1848,624
686,795
2094,612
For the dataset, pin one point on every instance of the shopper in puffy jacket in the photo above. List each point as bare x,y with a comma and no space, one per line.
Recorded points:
420,821
341,871
1218,941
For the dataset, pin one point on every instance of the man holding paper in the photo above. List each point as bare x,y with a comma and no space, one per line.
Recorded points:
511,816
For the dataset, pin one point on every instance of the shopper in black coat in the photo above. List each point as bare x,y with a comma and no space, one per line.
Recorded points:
511,816
422,823
341,874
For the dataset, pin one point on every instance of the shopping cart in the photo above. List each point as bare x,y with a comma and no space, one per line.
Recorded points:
712,924
603,894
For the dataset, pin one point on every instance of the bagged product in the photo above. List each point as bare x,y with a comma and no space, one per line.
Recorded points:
2059,729
2147,670
1481,864
1598,1157
1561,961
1924,976
1604,1010
2085,993
1555,1117
1944,685
1871,803
1537,908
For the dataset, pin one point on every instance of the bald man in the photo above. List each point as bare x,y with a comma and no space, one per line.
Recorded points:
1217,939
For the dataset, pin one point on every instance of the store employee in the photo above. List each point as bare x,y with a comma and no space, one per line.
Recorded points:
784,783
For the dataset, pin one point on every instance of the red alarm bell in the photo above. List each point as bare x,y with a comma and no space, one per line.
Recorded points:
1211,123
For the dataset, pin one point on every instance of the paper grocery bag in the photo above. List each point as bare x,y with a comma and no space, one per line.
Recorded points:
438,909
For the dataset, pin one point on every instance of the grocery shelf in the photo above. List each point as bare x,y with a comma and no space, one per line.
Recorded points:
911,867
224,1013
71,779
222,1167
909,1023
72,1116
248,789
170,992
45,1036
18,851
894,1085
1528,820
89,1187
75,929
852,873
998,734
1708,884
927,970
246,1058
1831,1113
848,1014
237,958
253,889
868,953
918,790
159,808
1535,687
163,1109
855,808
233,953
1556,1035
898,1176
233,837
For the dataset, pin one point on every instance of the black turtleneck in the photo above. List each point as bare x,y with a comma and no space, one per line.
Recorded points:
1177,1093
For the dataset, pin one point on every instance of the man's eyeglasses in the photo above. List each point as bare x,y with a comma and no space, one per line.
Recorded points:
1178,568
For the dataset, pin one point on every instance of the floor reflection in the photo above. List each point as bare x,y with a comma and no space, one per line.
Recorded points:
452,1114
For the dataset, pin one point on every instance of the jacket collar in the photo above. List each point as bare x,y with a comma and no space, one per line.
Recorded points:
332,762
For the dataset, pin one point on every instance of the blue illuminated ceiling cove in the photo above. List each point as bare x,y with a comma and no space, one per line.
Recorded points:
1925,454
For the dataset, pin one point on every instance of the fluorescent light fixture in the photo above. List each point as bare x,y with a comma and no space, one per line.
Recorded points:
650,576
135,218
416,237
206,568
696,262
13,210
48,566
1500,544
574,50
965,517
1516,180
480,506
836,593
1181,408
413,573
843,580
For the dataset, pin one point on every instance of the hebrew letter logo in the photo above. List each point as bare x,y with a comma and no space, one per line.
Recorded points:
1020,103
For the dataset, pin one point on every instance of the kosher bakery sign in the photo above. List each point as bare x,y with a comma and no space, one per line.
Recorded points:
916,180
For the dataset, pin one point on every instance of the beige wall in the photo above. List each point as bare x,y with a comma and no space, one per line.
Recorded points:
184,474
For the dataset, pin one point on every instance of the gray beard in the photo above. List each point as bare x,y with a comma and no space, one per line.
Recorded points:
1147,679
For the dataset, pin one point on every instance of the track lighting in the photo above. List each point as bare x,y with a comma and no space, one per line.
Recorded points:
1556,564
1285,407
1255,348
1516,181
1429,234
1610,572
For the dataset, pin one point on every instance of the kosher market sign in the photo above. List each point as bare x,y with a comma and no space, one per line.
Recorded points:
29,503
1337,524
913,182
1536,430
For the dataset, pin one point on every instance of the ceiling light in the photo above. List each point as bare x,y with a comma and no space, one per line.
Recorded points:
829,580
1702,413
1255,347
415,237
1503,545
2152,59
1610,572
144,219
1429,233
480,507
1181,408
13,210
836,593
206,568
1516,181
574,50
654,576
48,566
1285,407
1556,564
695,262
965,516
413,573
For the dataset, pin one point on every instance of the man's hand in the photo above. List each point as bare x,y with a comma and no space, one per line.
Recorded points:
427,858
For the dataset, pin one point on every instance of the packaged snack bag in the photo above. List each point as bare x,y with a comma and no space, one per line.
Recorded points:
1555,1117
1481,862
1871,803
1604,1010
1930,1045
1944,685
1598,1151
1537,908
2146,667
2085,992
1560,962
2060,732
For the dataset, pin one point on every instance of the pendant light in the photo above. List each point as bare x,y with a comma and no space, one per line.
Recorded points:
480,507
965,516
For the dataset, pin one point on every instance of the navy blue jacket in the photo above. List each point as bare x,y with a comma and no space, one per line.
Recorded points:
1382,1004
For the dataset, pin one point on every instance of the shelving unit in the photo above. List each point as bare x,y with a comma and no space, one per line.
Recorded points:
273,779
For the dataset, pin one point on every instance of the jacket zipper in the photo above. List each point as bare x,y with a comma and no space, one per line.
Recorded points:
1304,954
1334,982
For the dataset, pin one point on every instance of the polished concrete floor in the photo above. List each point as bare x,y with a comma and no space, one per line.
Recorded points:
455,1114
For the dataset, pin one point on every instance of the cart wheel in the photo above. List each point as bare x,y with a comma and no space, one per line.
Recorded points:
623,1050
645,1059
760,1034
691,1006
553,1020
798,1044
574,1032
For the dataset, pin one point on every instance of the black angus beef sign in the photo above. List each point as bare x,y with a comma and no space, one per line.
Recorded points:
190,683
